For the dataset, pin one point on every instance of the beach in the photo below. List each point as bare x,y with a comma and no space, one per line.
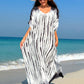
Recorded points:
73,74
71,78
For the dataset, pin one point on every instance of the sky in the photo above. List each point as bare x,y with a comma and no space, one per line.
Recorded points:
15,14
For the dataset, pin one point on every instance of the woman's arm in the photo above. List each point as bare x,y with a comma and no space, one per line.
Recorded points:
26,33
22,41
56,38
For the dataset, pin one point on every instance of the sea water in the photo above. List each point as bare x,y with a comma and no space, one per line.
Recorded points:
11,56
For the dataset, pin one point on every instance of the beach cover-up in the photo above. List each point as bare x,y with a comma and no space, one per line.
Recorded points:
39,50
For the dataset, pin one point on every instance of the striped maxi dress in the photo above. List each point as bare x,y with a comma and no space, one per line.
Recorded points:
39,50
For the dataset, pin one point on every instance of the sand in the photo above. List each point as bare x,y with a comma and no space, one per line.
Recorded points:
71,78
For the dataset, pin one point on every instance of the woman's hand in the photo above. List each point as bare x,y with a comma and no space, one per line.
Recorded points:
56,44
56,38
21,43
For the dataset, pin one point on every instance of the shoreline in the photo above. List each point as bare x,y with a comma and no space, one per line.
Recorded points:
18,76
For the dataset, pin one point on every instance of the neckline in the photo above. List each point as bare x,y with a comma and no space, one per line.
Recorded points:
43,12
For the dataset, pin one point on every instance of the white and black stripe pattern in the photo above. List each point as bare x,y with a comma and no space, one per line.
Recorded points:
39,50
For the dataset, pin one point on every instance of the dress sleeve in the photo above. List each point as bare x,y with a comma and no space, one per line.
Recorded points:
32,20
55,21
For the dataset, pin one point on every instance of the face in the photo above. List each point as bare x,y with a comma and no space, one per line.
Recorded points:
43,2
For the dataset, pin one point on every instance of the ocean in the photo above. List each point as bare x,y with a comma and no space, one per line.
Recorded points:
11,56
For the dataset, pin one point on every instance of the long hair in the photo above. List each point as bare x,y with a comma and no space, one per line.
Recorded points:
50,3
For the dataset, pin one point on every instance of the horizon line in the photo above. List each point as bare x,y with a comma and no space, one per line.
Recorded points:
22,37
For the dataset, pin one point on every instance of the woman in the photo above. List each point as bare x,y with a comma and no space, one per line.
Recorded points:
39,44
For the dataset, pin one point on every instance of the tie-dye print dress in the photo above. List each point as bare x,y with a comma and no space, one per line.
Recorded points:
39,50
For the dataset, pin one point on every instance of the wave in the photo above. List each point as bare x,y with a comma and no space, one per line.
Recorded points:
19,64
68,57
